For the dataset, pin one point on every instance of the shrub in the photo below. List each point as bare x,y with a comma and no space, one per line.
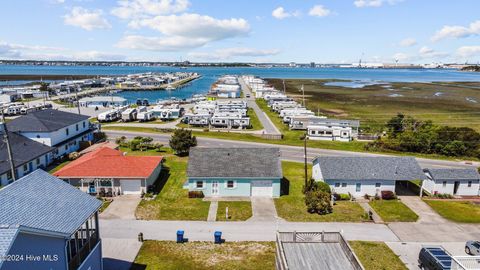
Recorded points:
341,197
322,186
366,196
313,185
318,202
388,195
443,196
182,140
310,186
195,194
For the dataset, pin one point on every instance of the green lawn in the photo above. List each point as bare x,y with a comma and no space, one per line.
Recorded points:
55,167
254,121
464,212
292,207
105,204
237,211
376,256
393,211
172,202
205,256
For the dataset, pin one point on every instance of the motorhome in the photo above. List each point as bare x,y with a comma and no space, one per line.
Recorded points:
109,116
129,114
197,119
229,120
333,129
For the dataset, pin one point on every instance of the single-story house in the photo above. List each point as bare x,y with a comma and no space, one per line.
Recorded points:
235,172
365,175
51,224
108,172
462,182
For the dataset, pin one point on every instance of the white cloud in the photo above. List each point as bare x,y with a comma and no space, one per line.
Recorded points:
184,31
468,51
228,53
319,11
86,19
401,57
280,13
426,52
35,52
456,31
128,9
408,42
374,3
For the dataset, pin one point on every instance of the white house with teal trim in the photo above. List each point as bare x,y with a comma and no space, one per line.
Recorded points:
235,172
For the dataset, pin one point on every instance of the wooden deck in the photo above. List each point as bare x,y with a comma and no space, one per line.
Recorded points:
310,256
314,250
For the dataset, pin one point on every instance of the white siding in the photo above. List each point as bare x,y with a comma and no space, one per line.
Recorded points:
57,136
367,187
463,189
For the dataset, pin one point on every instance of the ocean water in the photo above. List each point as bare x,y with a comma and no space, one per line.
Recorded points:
210,75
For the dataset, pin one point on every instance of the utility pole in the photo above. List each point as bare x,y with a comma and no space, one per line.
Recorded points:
305,157
284,88
9,148
78,101
303,95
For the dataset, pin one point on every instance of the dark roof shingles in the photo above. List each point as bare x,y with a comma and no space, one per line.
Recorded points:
45,121
454,174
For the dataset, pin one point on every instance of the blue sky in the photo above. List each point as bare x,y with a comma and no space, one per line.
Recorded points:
323,31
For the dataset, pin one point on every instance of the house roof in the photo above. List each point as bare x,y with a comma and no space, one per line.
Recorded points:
453,174
235,162
23,149
7,237
370,168
43,202
110,163
45,121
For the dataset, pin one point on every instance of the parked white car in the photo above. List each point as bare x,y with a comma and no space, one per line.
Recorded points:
473,248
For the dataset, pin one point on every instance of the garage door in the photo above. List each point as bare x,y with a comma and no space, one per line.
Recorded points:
131,186
262,189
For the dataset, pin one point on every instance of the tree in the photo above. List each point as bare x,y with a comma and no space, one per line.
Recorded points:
182,140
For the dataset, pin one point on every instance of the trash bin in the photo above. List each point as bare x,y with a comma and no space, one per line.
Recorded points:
218,237
180,234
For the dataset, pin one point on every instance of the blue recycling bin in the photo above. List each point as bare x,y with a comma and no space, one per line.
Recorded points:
180,234
218,237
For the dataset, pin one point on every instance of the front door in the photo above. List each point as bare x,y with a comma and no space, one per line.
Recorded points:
455,187
215,190
91,187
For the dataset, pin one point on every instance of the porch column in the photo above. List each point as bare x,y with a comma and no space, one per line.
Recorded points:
81,184
113,188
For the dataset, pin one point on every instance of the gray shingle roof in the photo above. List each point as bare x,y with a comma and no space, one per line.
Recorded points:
44,121
7,236
23,149
454,174
43,202
370,168
235,162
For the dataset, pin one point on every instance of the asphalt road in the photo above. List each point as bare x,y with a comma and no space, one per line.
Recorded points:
290,153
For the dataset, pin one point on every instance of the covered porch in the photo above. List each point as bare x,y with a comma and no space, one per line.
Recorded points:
103,187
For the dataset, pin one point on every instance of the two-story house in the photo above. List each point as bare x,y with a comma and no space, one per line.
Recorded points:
46,223
28,156
63,131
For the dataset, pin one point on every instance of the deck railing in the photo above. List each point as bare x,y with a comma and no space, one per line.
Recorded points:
83,252
313,237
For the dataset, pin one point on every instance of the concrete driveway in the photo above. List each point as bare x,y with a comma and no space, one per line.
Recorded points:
118,254
263,209
122,207
431,227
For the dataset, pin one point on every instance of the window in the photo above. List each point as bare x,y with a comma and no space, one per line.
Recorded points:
337,184
377,185
66,147
66,131
358,187
344,184
469,183
38,161
25,167
76,127
9,175
84,124
444,183
199,184
230,184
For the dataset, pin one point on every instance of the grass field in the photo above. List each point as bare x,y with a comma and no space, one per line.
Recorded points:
463,212
376,256
172,202
205,255
454,104
393,211
254,121
237,211
292,207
